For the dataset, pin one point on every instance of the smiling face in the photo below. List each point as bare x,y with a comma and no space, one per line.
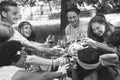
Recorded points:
73,18
26,30
98,29
12,15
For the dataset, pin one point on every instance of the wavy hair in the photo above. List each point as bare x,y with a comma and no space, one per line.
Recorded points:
101,20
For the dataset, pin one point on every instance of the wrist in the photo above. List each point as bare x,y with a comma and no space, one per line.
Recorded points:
59,73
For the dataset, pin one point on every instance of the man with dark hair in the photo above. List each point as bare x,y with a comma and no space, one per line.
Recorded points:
75,29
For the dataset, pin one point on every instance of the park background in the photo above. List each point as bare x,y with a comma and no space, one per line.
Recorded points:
48,16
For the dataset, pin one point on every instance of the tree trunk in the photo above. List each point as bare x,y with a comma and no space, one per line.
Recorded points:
64,21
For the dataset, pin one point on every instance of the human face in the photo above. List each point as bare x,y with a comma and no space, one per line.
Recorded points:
22,59
73,18
12,15
98,29
26,30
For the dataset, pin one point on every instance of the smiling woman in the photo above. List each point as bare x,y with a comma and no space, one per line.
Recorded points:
25,28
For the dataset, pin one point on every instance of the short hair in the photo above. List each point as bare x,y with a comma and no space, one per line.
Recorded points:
89,55
4,6
6,32
8,52
114,39
99,19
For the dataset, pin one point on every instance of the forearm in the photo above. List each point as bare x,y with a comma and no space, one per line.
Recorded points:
42,44
105,46
109,57
38,60
37,48
51,75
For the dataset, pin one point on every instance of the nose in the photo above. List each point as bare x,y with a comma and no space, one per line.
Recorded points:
72,19
96,31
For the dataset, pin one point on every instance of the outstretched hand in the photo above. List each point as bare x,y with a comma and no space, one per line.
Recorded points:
61,61
91,42
63,69
56,50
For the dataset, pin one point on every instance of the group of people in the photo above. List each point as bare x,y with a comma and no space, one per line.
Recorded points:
100,59
97,58
18,48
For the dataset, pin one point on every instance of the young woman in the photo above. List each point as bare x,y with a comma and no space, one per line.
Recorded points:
25,28
98,31
13,56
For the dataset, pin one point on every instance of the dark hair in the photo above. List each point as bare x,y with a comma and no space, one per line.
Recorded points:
32,36
101,15
4,6
91,56
114,39
8,52
72,8
101,20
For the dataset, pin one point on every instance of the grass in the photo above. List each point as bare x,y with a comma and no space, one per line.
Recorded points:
45,30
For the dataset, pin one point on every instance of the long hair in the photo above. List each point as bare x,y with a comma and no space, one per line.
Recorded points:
32,36
101,20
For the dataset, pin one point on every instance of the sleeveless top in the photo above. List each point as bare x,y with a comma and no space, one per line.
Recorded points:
7,72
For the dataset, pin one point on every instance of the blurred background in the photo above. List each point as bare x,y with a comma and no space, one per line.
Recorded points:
48,16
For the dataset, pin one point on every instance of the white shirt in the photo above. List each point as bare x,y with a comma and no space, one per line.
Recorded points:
7,72
17,36
76,33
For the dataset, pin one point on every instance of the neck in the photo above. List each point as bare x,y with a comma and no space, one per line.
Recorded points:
6,22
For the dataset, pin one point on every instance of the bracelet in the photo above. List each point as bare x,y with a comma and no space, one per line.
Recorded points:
52,62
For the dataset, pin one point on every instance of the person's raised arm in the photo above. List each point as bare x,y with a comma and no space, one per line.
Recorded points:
35,47
96,44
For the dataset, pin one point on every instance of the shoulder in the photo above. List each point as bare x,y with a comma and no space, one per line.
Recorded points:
18,36
7,72
68,27
24,75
